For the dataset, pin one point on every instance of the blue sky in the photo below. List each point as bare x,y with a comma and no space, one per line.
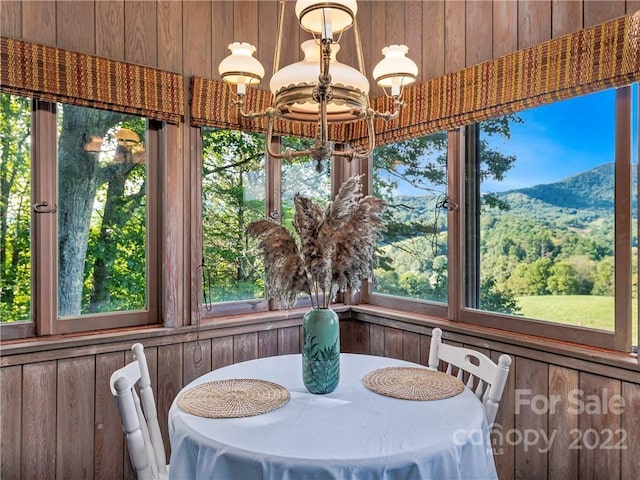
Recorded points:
561,139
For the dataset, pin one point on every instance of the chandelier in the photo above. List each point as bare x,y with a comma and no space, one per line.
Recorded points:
319,88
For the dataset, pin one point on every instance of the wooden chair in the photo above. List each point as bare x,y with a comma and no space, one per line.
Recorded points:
489,377
140,424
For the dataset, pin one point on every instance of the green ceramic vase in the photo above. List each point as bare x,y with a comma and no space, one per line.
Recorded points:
321,350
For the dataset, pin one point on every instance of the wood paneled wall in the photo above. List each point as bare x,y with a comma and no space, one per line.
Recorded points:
557,419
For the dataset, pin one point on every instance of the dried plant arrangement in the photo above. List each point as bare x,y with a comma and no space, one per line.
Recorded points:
334,250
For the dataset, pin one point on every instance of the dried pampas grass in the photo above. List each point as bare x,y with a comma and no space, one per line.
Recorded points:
334,251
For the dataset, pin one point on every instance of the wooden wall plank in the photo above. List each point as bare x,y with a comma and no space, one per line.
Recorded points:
534,22
169,383
504,425
376,40
479,32
632,6
360,332
454,36
267,343
75,26
394,28
39,415
563,423
432,62
413,32
11,18
222,26
425,347
39,22
505,27
376,340
346,336
10,421
75,417
566,17
532,384
289,340
140,32
630,429
245,347
170,35
110,29
245,21
411,347
599,11
221,352
197,360
393,342
109,447
596,421
267,33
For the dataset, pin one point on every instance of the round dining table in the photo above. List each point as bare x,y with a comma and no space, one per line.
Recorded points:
351,433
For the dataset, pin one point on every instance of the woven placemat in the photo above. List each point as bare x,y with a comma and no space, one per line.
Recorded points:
233,398
410,383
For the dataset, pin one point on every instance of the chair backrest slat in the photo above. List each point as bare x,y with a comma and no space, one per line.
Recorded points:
139,416
491,377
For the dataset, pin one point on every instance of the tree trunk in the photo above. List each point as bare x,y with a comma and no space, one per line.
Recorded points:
78,180
117,211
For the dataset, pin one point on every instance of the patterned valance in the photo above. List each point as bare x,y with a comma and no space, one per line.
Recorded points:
604,56
211,105
57,75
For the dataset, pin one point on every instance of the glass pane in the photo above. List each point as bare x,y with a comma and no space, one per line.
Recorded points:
233,195
305,176
15,208
102,212
547,217
411,176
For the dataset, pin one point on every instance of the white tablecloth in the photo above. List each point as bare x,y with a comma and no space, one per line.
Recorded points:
347,434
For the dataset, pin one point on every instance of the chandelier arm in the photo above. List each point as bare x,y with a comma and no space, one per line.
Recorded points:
391,115
352,153
288,154
239,103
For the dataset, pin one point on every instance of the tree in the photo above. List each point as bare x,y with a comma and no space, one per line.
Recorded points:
15,208
233,189
79,176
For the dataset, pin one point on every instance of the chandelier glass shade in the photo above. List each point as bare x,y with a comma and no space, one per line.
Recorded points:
319,88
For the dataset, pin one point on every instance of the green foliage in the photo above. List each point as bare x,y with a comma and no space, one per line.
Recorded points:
15,211
233,195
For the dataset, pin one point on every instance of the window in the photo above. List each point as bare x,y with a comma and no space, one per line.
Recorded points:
233,195
548,220
411,176
92,261
239,187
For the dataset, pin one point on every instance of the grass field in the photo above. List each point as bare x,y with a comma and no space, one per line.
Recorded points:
583,310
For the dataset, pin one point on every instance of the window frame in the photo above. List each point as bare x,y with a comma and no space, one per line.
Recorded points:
44,238
462,148
200,312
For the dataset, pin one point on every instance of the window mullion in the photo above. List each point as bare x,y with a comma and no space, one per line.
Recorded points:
44,237
622,226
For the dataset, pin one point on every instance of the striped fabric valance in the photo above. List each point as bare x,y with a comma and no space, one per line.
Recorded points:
211,105
57,75
604,56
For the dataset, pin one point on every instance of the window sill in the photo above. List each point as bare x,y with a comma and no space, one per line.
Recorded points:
551,351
